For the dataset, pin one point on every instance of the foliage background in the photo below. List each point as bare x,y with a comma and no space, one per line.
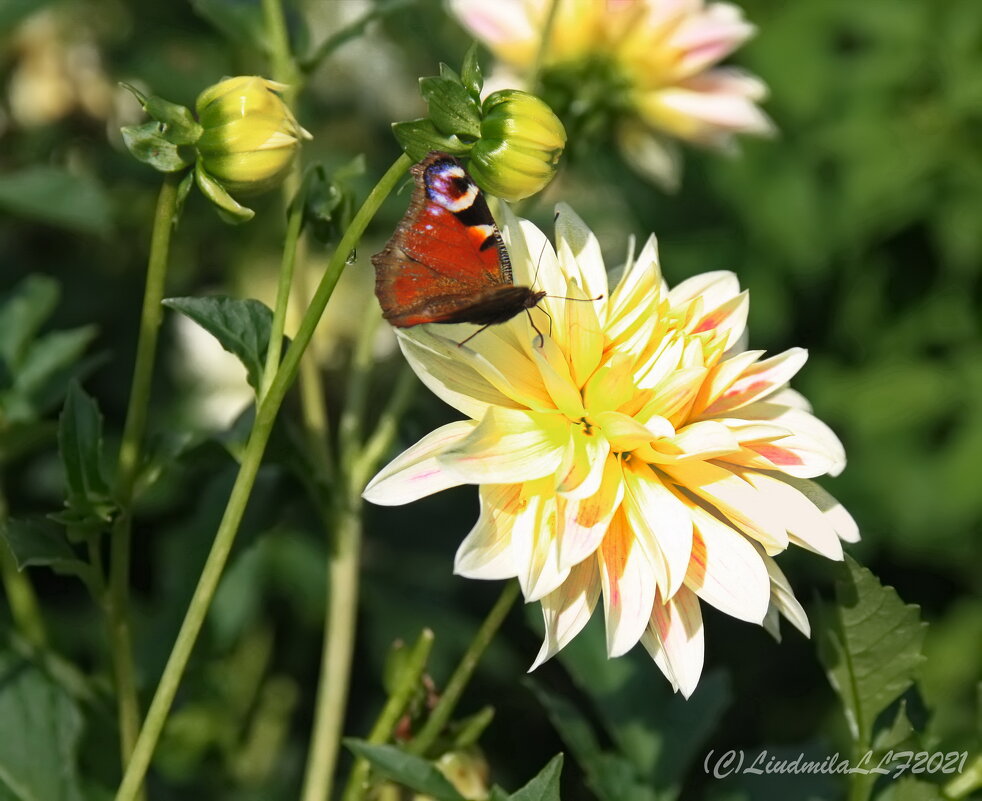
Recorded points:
857,231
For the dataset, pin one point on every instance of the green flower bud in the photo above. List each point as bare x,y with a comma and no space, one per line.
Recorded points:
249,135
520,145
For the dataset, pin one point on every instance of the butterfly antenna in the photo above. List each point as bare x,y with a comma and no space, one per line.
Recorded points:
578,300
479,330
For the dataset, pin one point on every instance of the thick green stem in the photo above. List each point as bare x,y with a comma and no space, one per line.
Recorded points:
23,601
228,528
283,67
444,708
117,601
338,644
407,683
342,600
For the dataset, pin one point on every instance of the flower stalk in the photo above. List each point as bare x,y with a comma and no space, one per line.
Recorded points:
134,429
241,490
444,708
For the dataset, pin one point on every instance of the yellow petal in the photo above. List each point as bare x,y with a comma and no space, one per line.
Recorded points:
508,446
584,521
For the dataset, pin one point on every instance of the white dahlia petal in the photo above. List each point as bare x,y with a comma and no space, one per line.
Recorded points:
485,552
566,610
584,521
663,524
726,570
628,583
674,638
416,473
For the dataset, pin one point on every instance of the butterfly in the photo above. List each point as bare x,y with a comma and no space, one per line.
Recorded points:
446,261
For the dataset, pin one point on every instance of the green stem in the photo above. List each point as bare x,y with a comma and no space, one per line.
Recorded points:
338,646
23,601
293,225
353,412
444,708
117,601
342,602
385,430
394,707
281,58
544,42
228,528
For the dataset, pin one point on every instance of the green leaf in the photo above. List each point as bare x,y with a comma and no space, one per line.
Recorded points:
452,109
80,445
241,326
870,644
470,73
545,786
36,542
229,208
240,22
910,788
419,137
412,771
180,126
610,776
40,732
58,197
22,313
56,353
148,143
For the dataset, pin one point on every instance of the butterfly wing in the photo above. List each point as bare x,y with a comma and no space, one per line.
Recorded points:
446,254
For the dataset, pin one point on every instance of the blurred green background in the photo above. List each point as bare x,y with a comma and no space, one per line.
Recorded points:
858,232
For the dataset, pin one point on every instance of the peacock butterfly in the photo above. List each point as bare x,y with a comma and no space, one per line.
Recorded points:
446,261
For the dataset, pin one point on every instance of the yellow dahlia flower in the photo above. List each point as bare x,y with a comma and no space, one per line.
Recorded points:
634,453
644,69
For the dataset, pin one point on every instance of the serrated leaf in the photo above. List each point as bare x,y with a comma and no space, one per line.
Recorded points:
898,732
58,197
870,644
80,446
40,731
40,543
242,327
419,137
412,771
452,109
22,313
545,786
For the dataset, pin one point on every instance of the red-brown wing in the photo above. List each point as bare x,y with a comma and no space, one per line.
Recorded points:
445,253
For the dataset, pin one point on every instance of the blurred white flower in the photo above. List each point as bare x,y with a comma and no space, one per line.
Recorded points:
646,68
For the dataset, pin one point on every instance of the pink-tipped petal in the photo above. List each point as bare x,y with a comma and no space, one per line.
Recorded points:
416,473
674,639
